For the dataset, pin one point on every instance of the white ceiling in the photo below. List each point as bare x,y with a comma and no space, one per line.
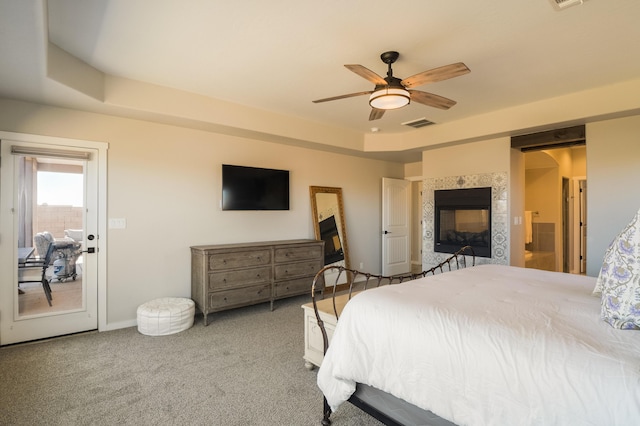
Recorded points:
280,55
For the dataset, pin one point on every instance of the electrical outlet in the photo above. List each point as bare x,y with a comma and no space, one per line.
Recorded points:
361,265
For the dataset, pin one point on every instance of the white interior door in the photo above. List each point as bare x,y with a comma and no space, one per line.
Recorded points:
52,189
396,226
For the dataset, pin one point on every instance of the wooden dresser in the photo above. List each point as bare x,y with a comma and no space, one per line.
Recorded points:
233,275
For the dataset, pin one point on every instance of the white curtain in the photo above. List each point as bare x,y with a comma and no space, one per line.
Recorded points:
25,186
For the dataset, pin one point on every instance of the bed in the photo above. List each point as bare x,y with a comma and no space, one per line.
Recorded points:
483,345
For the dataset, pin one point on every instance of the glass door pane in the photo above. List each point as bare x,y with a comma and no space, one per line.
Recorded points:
50,213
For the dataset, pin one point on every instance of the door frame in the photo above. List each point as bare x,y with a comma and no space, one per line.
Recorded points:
417,221
101,255
566,208
579,225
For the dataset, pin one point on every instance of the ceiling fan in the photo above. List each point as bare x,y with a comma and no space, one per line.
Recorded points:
392,93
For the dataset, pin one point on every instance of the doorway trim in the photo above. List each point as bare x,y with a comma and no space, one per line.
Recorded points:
579,225
101,254
416,222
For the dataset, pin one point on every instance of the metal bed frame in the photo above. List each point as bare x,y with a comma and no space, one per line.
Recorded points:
380,405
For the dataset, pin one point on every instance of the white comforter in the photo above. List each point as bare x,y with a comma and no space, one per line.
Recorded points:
489,345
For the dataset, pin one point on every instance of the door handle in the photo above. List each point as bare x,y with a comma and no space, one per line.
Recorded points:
387,232
90,237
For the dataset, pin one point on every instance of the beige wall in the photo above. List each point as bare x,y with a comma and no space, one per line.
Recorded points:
413,170
488,156
613,174
165,181
542,193
516,206
579,162
416,225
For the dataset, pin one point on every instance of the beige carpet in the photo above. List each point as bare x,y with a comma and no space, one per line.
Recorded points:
245,368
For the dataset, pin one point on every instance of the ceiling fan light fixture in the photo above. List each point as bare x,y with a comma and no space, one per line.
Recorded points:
389,98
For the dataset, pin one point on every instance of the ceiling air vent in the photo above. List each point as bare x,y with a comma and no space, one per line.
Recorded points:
420,122
562,4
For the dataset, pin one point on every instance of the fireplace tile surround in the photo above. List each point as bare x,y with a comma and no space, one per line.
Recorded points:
499,214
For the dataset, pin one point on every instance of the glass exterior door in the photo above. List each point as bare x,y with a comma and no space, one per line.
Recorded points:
49,273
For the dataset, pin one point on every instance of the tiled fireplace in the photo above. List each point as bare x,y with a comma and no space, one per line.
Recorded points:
436,246
462,218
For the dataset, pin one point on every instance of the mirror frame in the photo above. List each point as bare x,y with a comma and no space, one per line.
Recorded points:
313,190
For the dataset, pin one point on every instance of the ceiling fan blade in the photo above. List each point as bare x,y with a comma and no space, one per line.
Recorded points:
376,114
350,95
436,74
431,100
367,73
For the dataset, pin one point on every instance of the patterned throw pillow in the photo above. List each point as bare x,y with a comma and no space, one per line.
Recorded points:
619,279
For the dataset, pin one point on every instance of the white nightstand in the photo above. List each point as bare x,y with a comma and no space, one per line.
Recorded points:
313,344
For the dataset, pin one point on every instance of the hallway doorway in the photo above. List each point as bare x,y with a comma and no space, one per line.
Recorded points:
555,194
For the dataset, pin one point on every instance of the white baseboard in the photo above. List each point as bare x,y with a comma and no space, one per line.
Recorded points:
120,324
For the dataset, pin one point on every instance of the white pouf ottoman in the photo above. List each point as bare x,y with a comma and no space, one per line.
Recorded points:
167,315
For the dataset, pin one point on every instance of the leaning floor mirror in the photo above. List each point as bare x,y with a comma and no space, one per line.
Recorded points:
329,226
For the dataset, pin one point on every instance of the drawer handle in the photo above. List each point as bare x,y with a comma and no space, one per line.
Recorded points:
224,280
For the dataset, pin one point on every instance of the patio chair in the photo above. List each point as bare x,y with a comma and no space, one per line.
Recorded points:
42,240
44,264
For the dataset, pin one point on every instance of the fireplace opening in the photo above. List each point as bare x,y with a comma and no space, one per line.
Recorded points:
463,217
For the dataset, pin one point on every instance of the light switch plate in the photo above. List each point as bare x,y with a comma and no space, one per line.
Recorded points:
117,223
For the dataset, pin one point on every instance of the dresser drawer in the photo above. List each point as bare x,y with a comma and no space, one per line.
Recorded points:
288,254
221,300
292,287
239,278
239,259
297,269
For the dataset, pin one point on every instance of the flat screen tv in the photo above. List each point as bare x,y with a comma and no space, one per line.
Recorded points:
253,188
